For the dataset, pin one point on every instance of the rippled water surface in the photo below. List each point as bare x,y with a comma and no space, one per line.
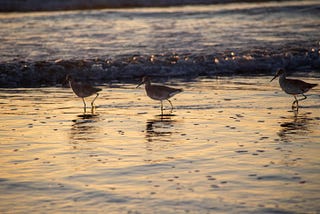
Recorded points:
244,28
231,145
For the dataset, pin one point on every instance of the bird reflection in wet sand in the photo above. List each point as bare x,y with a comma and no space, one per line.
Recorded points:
294,126
84,129
159,129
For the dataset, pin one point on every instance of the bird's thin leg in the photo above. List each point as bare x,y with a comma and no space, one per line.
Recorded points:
170,104
84,105
94,100
161,108
92,104
295,102
304,97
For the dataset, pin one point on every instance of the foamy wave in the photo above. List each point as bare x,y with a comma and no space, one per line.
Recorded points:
130,68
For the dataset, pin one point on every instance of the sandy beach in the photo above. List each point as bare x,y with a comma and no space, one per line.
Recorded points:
231,145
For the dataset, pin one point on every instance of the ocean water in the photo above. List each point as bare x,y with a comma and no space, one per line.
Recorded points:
40,48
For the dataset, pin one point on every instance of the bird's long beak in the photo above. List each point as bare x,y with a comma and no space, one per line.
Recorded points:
142,82
273,78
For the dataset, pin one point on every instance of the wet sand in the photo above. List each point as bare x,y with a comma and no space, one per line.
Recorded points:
231,145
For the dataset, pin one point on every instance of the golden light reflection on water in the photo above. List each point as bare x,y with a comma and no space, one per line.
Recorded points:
230,144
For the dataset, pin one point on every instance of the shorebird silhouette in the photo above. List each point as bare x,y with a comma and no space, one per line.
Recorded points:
159,92
293,86
83,90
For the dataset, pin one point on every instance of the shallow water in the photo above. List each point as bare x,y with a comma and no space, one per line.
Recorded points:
231,145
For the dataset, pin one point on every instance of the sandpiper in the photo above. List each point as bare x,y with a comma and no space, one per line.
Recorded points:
83,90
293,86
159,92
